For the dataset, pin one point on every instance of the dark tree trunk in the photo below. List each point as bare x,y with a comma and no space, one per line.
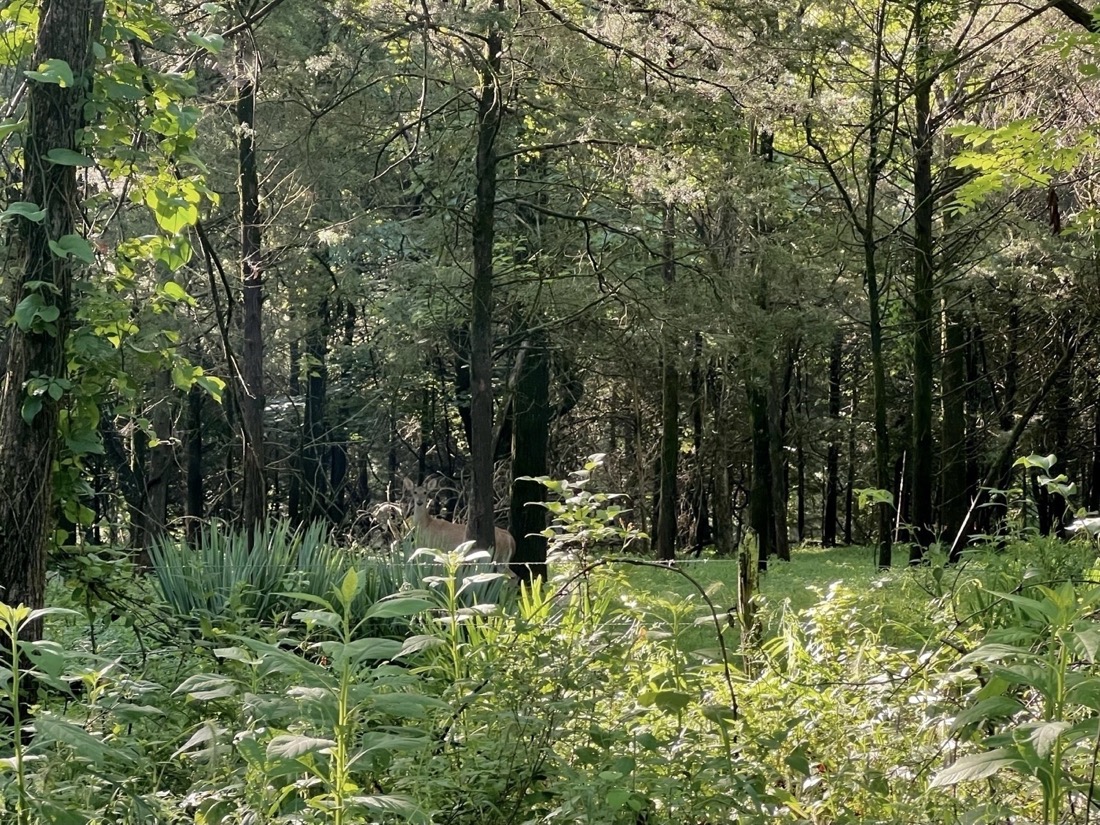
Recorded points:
196,507
1094,480
36,347
760,492
1061,412
800,454
832,456
314,483
777,454
725,544
480,527
162,463
530,439
922,453
460,349
955,491
667,497
250,395
700,510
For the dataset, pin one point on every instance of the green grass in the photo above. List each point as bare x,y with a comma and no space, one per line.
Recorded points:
899,595
810,569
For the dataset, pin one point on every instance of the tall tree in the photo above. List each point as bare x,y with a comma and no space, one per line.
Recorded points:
34,378
490,116
250,386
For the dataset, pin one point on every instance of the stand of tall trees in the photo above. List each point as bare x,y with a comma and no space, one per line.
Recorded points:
821,306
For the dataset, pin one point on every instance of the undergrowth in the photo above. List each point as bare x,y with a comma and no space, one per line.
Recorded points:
964,693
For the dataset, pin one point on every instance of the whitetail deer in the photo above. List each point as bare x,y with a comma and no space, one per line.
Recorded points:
448,535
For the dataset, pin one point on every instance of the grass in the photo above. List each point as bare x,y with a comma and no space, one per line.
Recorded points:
900,595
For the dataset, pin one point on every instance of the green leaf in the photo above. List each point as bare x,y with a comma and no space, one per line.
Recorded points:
213,43
75,246
617,797
360,649
289,746
396,606
205,686
174,292
995,707
400,806
31,408
978,766
1044,736
324,618
53,729
23,209
9,126
213,385
53,71
67,157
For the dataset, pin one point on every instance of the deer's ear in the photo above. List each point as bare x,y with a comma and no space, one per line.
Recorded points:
408,484
431,483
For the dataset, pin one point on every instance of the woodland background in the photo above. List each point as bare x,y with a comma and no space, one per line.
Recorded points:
263,260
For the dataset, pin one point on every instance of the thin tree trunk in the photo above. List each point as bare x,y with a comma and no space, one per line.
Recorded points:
922,454
850,474
954,496
314,484
196,506
760,492
832,458
250,398
670,412
162,463
777,455
724,540
480,527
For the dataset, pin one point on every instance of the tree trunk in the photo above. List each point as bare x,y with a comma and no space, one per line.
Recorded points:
250,397
850,479
760,492
489,118
700,510
955,493
777,455
162,462
832,457
1094,481
922,455
724,541
665,545
29,414
530,439
196,507
314,483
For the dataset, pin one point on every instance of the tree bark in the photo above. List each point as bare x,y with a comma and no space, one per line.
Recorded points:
922,453
777,455
665,544
314,483
251,369
36,343
954,489
760,491
832,456
480,527
196,507
530,440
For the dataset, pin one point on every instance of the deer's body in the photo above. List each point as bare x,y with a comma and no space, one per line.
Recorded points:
448,535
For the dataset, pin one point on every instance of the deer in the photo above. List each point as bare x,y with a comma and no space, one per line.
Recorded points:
439,534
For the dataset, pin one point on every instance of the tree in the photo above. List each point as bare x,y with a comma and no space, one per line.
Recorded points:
34,379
